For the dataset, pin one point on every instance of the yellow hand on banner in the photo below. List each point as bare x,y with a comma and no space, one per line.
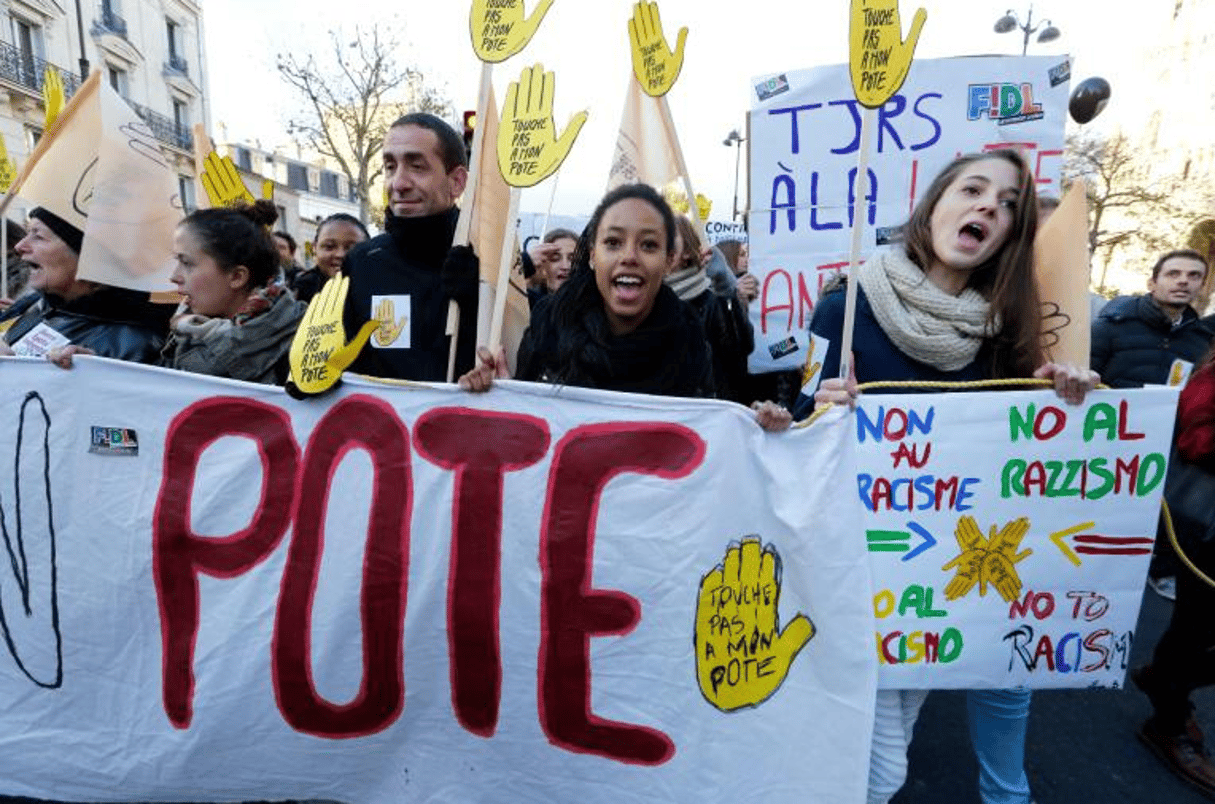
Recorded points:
704,206
741,655
999,564
268,189
968,564
52,96
389,329
878,56
8,170
319,352
503,30
529,150
222,182
654,63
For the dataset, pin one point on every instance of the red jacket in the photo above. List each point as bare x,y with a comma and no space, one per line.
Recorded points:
1196,418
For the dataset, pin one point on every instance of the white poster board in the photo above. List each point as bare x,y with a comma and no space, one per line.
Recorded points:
805,131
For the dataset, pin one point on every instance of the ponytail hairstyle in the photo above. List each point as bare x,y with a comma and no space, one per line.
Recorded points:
239,235
1007,279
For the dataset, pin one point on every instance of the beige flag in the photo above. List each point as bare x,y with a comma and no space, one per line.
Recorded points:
644,151
101,170
1061,264
489,225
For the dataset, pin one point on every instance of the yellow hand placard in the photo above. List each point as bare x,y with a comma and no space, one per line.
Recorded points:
319,352
529,150
52,96
742,656
222,182
8,169
654,63
878,56
500,29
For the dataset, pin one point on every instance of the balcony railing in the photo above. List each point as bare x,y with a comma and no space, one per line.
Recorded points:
28,71
109,22
165,129
177,64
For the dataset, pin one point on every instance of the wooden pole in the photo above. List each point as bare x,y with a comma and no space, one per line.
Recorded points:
859,186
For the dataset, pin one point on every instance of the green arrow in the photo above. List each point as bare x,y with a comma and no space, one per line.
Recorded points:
881,541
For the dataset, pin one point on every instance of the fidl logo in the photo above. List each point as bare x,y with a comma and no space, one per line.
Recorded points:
1007,103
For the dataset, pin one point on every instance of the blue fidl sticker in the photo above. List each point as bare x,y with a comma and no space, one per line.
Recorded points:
772,87
114,441
781,348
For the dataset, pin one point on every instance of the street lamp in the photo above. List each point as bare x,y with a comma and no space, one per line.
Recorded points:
734,139
1011,22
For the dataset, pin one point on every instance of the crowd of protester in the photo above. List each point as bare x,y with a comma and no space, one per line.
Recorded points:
637,303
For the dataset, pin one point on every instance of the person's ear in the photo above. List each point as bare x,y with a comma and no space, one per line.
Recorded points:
458,178
239,277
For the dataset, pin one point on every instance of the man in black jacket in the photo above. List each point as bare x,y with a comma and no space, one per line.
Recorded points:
406,277
1137,340
1155,339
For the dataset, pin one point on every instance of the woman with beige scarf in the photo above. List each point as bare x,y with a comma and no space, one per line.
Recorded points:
956,300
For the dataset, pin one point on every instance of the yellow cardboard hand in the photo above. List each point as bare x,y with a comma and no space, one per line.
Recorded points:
741,655
529,150
654,63
389,328
999,565
503,30
319,352
222,182
879,57
8,170
52,95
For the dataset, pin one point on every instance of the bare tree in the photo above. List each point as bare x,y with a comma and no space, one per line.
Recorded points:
1127,204
353,99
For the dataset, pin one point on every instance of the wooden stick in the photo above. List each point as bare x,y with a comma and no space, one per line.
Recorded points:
668,123
552,196
504,266
858,227
464,223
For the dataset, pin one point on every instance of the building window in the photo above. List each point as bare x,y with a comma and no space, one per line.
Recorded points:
177,56
117,78
244,159
297,176
29,50
185,192
329,184
181,115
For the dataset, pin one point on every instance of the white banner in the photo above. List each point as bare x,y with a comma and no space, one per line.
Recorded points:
805,130
217,593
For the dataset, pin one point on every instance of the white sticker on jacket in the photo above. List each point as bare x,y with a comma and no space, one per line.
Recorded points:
39,340
393,313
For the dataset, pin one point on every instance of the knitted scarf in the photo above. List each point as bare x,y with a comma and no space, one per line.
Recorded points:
688,283
923,321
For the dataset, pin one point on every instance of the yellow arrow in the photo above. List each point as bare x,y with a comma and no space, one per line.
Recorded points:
1058,538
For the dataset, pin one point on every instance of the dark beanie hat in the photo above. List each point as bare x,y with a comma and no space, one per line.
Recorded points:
67,232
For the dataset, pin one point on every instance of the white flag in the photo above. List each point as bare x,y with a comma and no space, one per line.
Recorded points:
644,151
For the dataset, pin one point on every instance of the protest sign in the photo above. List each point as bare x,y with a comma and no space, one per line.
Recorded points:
805,132
1061,266
394,593
100,168
1014,555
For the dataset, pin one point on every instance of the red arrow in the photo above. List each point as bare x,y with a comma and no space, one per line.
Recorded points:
1092,544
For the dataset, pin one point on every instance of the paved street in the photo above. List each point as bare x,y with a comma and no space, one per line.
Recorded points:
1082,744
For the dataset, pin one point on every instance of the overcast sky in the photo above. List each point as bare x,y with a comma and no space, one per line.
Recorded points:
586,44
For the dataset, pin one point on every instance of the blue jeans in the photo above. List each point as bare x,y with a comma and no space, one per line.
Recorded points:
998,719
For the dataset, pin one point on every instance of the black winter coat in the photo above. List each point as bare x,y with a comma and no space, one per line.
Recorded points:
731,337
1134,342
113,322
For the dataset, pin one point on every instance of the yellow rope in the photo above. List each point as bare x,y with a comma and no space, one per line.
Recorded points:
1168,528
